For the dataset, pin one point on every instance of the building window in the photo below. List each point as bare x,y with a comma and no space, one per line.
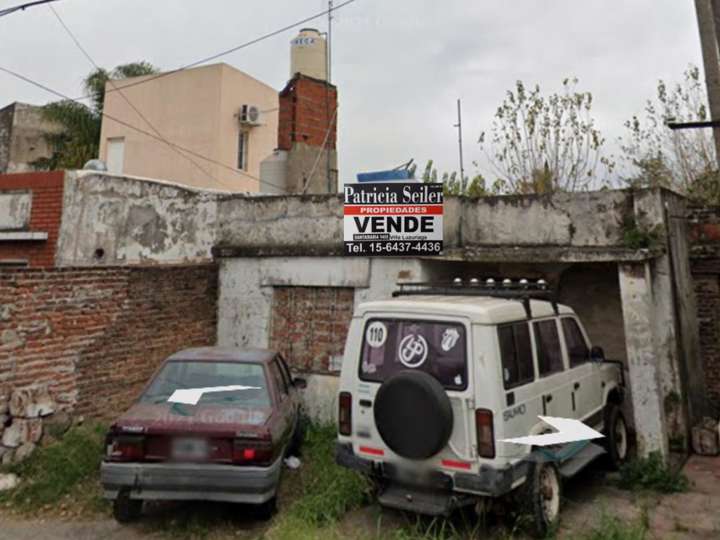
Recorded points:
243,150
116,155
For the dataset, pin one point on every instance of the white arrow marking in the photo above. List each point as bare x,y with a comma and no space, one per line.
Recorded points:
568,430
191,396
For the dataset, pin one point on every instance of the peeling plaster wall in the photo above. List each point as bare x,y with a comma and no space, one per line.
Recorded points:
112,220
15,210
315,221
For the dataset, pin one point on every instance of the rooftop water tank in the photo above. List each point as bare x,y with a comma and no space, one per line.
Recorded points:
308,54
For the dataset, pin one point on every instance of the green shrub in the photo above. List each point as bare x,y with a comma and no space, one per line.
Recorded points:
54,471
651,473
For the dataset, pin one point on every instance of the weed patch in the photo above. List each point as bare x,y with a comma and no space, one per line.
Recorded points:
63,468
326,491
652,473
612,528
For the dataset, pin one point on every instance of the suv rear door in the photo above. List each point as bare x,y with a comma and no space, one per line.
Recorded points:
439,346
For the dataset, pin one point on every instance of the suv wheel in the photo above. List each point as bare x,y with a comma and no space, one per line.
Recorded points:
616,434
540,495
126,509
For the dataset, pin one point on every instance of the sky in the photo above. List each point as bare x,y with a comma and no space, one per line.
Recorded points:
399,65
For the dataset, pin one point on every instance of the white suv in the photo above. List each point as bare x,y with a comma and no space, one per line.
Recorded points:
434,380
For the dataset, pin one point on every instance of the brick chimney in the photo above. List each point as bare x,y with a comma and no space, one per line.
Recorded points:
307,130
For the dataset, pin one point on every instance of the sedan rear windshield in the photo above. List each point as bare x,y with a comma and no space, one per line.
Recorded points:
436,348
187,374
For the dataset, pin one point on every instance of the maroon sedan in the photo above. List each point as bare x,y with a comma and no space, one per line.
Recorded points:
212,424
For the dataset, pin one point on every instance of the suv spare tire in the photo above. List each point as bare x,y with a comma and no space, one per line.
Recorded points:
413,414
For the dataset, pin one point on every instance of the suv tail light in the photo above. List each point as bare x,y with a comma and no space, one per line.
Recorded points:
345,413
485,433
258,452
125,447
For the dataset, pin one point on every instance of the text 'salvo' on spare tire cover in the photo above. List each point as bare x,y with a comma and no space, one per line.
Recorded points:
413,414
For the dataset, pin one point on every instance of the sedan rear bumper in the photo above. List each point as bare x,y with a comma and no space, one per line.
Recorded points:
190,481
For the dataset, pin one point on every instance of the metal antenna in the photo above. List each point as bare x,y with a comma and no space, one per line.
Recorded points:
460,148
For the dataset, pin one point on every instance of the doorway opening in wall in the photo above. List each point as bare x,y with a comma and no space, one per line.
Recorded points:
116,155
242,160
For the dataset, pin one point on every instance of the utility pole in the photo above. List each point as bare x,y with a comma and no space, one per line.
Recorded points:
708,15
459,126
327,95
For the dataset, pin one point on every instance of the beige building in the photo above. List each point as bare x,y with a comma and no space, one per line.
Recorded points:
23,144
208,113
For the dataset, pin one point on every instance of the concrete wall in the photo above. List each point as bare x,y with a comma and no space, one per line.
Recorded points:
112,220
22,137
15,209
194,109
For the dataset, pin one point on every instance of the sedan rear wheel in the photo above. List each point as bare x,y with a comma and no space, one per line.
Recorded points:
125,509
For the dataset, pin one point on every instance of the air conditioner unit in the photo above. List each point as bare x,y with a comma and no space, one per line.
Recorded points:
249,115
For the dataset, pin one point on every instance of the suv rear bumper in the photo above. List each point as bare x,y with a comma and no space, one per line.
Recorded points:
490,482
189,481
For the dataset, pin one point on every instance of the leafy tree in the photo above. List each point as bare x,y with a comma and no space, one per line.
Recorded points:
79,137
540,144
683,160
475,187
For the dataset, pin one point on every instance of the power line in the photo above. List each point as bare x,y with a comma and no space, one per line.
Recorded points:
236,48
126,99
135,128
22,7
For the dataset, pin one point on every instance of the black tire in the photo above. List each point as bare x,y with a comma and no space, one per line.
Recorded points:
125,509
298,437
413,414
616,436
267,510
539,498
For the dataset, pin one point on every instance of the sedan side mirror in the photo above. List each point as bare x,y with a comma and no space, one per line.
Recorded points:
597,354
299,383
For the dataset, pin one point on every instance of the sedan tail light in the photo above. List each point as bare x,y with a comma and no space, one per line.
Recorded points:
125,447
485,433
257,452
345,413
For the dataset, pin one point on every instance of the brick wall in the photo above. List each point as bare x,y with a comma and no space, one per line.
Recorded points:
96,335
45,216
309,325
307,108
705,267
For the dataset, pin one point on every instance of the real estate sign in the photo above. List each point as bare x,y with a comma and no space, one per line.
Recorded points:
393,219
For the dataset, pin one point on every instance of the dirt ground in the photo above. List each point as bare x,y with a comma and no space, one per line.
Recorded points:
694,514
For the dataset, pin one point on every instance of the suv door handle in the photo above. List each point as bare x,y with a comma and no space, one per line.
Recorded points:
365,403
577,385
548,398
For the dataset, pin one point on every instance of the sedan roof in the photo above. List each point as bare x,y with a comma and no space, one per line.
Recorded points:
224,354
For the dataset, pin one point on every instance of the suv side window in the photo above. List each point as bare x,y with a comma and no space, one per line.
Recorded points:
547,343
516,354
577,348
279,379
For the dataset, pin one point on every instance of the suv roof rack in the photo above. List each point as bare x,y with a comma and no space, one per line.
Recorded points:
522,290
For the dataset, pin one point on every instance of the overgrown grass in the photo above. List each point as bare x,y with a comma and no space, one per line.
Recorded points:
325,491
652,473
612,528
67,467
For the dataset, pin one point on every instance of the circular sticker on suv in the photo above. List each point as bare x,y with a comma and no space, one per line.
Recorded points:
376,334
413,351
